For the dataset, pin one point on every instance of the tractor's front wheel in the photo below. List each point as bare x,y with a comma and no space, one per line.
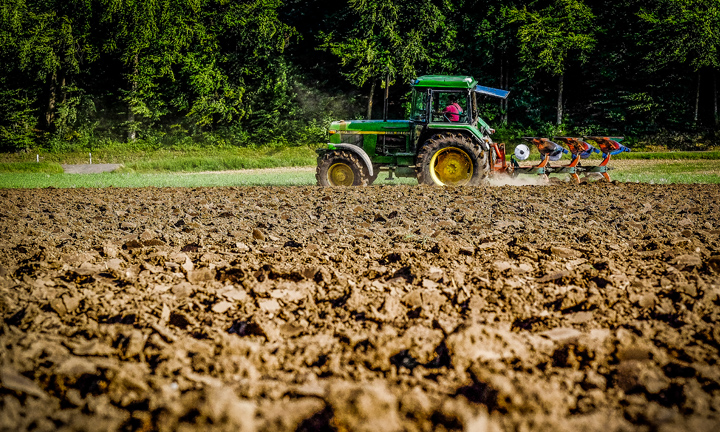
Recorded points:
451,160
340,168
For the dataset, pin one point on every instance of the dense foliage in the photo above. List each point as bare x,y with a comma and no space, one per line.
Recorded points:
78,74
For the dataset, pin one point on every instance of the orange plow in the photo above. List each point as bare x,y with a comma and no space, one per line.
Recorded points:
551,151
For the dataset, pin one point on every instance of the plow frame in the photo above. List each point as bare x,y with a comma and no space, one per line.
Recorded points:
608,145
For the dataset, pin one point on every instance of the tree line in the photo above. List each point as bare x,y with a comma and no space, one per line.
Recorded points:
167,72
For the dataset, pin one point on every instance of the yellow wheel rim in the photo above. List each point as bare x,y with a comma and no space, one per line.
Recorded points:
341,174
451,166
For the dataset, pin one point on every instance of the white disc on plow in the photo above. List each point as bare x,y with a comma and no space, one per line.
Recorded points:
522,152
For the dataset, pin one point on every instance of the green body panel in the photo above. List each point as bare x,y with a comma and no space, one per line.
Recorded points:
369,143
368,134
466,127
371,125
445,82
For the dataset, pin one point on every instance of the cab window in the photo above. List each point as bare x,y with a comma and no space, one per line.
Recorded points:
450,107
419,105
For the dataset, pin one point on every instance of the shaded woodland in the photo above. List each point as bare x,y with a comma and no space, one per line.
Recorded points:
79,74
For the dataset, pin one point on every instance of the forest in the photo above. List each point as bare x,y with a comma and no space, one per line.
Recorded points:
83,74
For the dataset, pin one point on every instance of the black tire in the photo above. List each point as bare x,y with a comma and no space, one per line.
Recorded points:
340,168
464,164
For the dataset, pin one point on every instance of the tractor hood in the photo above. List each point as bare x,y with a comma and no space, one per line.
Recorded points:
489,91
369,126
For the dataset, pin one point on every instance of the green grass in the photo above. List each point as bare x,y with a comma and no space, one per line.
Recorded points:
193,160
156,180
214,159
219,163
31,167
657,172
664,172
261,178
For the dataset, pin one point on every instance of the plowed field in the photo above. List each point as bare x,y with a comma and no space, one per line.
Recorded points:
387,308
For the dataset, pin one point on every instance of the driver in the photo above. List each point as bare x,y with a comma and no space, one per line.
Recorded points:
453,110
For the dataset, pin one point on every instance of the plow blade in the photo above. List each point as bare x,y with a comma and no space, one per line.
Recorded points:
609,145
578,147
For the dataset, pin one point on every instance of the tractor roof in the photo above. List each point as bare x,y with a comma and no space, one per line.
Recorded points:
444,81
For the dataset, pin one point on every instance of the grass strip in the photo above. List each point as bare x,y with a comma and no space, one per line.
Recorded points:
128,157
137,180
660,173
670,171
667,179
214,159
292,177
214,163
31,167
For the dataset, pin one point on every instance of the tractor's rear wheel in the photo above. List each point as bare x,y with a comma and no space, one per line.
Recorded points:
451,160
340,168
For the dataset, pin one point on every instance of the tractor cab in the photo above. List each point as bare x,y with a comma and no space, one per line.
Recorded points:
441,106
450,100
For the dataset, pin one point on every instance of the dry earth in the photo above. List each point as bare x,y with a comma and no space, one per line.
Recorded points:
588,307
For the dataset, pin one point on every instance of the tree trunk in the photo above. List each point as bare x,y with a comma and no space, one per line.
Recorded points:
63,91
503,102
133,89
715,99
506,87
561,83
697,98
370,101
52,96
386,96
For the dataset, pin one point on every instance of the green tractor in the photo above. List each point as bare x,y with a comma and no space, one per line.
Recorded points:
443,143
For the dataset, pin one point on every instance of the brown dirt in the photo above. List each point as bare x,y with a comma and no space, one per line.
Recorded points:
590,307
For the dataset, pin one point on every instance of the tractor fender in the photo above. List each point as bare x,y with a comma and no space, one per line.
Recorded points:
357,150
